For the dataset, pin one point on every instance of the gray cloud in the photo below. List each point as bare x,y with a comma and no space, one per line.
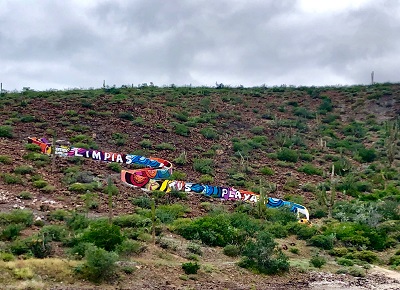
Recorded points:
64,44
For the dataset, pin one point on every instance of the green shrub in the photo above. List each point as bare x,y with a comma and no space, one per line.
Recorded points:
33,147
322,241
231,250
81,187
317,261
103,235
59,215
267,171
182,129
168,213
365,255
126,116
6,131
356,272
99,264
24,170
17,216
206,179
25,195
204,166
394,260
5,159
367,155
54,232
339,252
6,257
190,268
209,133
286,154
114,166
165,146
11,232
194,249
258,130
129,247
262,255
344,262
211,230
40,183
145,143
10,178
131,221
310,169
142,201
294,250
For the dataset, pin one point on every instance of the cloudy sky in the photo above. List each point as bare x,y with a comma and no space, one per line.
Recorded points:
61,44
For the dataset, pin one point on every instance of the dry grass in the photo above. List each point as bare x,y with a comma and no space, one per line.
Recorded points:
33,273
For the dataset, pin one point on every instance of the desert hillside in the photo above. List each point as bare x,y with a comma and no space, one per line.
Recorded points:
334,150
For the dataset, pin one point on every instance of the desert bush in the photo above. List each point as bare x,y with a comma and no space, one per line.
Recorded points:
267,171
204,165
6,257
99,264
145,143
10,178
322,241
181,129
5,159
367,155
286,154
209,133
126,116
142,201
317,261
190,268
231,250
39,183
131,221
114,166
25,195
165,146
129,247
59,215
54,232
24,169
32,147
194,248
103,235
17,216
364,255
168,213
11,232
211,230
6,131
262,255
344,262
310,169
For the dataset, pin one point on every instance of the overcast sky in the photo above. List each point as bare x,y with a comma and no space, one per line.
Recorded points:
61,44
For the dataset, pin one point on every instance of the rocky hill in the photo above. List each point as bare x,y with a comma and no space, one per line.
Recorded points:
281,141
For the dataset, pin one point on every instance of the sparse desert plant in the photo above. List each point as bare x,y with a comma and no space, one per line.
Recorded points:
317,261
5,159
6,131
190,268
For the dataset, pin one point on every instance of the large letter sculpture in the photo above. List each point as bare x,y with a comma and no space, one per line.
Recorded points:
155,173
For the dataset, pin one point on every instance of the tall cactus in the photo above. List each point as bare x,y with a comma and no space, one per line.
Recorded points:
392,136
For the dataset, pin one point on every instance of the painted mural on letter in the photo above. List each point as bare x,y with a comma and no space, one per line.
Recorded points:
155,173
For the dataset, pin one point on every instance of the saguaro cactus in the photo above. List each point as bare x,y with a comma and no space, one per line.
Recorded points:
392,136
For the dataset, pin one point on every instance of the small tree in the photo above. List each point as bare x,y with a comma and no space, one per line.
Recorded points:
99,265
263,255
